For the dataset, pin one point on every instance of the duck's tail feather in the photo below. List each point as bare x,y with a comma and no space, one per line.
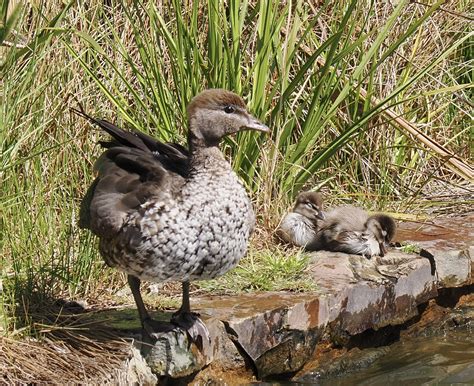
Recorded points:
171,155
123,137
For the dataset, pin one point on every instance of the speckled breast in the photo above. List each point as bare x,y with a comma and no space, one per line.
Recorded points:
199,235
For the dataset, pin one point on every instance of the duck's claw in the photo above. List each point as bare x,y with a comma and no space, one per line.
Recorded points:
194,327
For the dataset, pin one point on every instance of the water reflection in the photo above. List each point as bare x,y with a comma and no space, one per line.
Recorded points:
448,359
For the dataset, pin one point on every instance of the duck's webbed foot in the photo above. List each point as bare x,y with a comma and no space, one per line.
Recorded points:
194,327
190,322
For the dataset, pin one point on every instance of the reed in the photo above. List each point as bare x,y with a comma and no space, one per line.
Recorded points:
323,75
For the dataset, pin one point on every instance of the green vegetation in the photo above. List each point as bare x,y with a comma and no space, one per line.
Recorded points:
323,75
410,248
265,270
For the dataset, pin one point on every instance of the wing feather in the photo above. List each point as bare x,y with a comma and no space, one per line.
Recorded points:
134,168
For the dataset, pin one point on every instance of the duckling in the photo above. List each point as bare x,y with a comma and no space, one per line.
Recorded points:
299,226
165,212
383,228
351,230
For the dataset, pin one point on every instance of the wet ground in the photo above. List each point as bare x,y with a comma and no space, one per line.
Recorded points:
440,233
373,322
436,348
445,360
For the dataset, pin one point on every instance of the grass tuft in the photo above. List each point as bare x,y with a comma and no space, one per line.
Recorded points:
265,270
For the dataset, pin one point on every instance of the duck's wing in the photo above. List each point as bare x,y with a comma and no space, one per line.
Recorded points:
173,156
134,169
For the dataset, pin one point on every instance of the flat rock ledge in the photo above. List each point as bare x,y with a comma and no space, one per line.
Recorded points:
276,333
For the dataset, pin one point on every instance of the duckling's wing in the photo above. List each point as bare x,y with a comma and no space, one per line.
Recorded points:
346,218
332,233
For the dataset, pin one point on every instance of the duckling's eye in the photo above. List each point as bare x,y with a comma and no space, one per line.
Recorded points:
229,109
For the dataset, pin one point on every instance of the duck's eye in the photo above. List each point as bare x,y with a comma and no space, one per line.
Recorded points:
229,109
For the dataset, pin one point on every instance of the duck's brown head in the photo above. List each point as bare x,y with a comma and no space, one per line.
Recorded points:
215,113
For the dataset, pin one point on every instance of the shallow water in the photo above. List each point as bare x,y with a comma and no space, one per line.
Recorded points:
445,360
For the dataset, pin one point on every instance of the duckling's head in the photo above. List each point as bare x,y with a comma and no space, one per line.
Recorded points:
310,205
215,113
383,227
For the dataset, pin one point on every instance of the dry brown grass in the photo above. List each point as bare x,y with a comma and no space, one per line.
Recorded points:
74,354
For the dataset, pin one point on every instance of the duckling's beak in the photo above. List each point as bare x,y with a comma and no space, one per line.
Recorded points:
320,215
254,124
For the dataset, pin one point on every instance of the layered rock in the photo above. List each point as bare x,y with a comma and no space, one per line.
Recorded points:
277,332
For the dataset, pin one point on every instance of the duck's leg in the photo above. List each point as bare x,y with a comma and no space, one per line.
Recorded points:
152,327
134,283
190,321
185,306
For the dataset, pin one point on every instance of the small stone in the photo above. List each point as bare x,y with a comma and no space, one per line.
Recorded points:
173,355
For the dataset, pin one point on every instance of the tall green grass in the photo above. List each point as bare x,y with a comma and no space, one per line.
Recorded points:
300,67
295,79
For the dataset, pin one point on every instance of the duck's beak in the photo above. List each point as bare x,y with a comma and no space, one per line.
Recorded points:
321,215
254,124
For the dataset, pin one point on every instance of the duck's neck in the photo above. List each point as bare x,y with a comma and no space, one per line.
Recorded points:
206,158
